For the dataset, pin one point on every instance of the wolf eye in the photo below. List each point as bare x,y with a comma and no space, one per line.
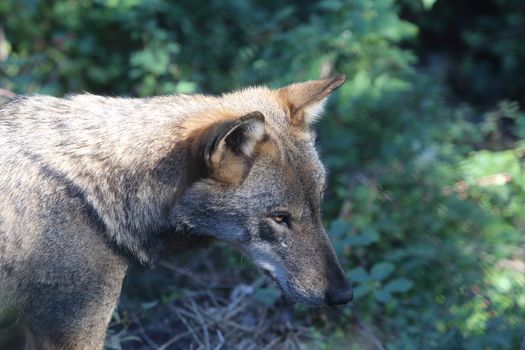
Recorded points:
281,218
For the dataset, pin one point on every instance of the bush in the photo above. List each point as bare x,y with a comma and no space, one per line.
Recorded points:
476,46
425,197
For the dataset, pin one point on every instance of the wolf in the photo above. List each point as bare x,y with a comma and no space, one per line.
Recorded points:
92,184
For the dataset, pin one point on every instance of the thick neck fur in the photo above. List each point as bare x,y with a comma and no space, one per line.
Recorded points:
121,154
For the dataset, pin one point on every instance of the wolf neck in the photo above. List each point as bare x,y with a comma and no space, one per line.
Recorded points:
123,156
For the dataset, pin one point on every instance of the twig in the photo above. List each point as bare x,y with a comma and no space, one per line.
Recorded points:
296,341
261,323
220,319
272,343
144,335
221,340
188,326
184,271
203,325
174,340
238,326
212,297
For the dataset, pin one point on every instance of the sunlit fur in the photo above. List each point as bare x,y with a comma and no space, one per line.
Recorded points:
90,184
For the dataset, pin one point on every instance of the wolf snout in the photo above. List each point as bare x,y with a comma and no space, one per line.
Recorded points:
339,296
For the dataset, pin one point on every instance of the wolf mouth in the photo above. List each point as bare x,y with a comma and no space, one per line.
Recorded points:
290,294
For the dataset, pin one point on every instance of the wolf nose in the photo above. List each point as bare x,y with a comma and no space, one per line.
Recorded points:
339,296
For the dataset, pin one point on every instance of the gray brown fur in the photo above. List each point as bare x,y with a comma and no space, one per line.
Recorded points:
89,184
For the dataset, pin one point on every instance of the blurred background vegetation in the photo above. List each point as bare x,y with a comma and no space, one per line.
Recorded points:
425,145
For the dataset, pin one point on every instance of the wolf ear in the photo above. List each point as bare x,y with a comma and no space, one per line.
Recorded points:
304,102
231,145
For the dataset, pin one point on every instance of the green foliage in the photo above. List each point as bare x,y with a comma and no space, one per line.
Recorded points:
476,46
425,198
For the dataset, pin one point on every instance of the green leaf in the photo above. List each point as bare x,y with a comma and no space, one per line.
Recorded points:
333,5
185,87
359,240
399,285
340,228
382,295
361,291
358,275
381,270
267,296
371,233
427,4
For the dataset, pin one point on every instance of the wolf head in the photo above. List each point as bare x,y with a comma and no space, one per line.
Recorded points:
257,183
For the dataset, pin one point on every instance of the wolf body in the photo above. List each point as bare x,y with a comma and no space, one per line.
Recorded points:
90,184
